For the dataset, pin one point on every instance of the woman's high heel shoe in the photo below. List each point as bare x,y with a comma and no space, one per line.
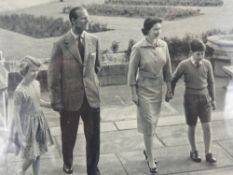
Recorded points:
152,170
145,154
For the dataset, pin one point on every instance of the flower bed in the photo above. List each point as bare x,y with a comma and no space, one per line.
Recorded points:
167,2
168,13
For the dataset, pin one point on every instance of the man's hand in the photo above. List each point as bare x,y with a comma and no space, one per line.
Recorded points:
57,107
169,96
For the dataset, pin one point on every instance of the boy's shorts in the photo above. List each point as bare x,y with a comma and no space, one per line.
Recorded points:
197,106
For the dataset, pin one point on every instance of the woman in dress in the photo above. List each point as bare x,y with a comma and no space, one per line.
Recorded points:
149,67
30,131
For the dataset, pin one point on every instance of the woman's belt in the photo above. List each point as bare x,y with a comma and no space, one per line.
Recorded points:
148,75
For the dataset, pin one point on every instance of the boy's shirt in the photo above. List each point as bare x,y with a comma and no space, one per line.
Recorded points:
199,79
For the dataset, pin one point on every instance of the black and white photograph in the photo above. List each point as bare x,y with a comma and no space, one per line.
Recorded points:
116,87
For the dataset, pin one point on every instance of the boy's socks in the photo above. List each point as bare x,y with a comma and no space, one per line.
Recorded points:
209,158
195,156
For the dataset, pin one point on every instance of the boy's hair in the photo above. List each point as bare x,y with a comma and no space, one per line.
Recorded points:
197,45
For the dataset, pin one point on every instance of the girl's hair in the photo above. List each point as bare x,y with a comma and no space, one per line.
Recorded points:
26,63
149,23
197,45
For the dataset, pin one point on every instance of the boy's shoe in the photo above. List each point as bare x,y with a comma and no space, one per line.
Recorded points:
194,156
210,159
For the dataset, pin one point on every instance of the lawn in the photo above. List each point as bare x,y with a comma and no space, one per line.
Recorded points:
15,45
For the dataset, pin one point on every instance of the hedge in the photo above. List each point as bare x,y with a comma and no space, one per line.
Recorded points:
42,27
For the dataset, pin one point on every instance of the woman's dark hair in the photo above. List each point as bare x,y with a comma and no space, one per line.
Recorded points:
73,14
197,45
149,23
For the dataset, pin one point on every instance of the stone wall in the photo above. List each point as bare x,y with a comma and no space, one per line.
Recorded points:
113,74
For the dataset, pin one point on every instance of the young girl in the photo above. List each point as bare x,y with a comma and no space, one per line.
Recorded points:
30,130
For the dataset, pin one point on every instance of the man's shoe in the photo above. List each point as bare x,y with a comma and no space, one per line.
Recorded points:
194,156
210,159
67,170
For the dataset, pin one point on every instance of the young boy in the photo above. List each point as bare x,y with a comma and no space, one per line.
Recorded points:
199,96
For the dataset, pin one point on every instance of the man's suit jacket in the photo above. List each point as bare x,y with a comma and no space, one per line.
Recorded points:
69,77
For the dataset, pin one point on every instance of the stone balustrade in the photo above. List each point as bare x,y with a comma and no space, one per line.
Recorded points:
223,52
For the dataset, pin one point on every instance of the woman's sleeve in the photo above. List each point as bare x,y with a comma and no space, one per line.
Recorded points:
179,71
167,69
133,66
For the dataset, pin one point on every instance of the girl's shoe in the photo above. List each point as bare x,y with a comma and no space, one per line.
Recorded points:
145,154
210,159
194,156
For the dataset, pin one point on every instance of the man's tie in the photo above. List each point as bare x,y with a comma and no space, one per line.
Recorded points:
81,47
198,64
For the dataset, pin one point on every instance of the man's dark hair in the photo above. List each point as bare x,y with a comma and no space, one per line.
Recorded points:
149,23
73,14
197,45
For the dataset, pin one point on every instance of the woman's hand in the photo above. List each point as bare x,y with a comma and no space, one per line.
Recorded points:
134,95
135,99
169,94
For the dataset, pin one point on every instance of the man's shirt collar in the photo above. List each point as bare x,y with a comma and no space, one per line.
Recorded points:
77,36
193,61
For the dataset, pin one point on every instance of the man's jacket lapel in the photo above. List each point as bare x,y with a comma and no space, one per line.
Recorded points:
72,47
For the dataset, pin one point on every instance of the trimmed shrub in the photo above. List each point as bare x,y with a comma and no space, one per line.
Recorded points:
42,27
38,27
115,46
167,2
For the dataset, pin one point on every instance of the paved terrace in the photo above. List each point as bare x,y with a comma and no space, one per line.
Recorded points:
122,145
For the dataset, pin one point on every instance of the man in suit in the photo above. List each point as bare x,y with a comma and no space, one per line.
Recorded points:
74,89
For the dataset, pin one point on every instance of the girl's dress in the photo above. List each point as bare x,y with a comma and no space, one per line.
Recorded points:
30,130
